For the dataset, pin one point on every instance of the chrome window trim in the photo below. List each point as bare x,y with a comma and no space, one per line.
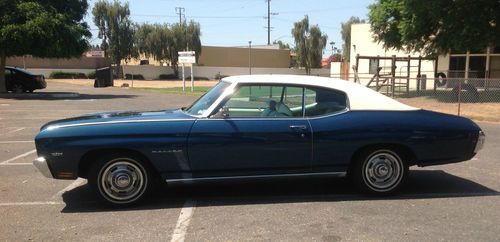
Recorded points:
235,84
335,174
284,118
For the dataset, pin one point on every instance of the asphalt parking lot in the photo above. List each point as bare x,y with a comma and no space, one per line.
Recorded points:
451,202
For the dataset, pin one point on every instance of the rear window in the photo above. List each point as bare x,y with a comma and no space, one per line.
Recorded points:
322,101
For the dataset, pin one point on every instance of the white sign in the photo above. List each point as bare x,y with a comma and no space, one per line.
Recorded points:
187,59
186,53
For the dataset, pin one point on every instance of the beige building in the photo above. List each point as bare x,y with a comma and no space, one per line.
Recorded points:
213,56
461,65
244,56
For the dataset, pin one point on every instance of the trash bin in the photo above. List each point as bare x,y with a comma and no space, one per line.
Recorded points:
103,77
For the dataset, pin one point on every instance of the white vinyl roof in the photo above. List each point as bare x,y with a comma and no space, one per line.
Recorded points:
360,97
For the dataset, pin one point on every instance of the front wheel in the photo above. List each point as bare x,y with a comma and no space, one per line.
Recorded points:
17,88
380,171
120,180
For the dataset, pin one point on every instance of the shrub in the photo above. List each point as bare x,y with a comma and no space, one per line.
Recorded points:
91,75
67,75
134,77
167,77
198,78
218,76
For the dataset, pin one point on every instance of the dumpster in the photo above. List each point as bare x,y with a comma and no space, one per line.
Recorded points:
103,77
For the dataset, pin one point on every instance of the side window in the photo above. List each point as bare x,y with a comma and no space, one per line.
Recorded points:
271,101
320,101
7,73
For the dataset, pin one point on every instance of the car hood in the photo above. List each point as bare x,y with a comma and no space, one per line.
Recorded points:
120,116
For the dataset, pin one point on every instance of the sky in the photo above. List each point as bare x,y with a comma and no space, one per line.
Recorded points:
235,22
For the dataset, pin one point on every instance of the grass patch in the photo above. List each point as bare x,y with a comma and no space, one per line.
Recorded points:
198,91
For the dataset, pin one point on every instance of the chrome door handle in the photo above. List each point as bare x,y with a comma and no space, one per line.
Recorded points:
298,127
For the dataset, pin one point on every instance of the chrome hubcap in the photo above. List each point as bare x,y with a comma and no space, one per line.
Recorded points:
383,171
123,180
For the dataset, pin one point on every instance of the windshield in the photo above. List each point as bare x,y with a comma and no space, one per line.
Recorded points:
204,102
21,70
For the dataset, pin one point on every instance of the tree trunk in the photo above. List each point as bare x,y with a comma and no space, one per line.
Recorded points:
119,72
3,58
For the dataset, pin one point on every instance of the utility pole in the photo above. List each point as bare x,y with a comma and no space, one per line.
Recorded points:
250,57
269,21
333,47
180,11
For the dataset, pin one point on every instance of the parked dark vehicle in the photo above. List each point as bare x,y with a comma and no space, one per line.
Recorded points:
259,126
19,80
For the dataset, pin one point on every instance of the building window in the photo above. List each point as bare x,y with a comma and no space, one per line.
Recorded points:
496,49
373,66
457,66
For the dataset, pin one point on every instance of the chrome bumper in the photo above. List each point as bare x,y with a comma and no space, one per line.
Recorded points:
41,164
480,142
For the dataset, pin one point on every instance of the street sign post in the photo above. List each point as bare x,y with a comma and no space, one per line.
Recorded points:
187,57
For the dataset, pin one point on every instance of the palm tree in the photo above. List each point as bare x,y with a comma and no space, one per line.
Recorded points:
310,43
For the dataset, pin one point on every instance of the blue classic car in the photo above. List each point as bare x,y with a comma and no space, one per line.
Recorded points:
258,126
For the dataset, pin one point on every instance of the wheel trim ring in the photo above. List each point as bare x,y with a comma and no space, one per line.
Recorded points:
394,175
107,189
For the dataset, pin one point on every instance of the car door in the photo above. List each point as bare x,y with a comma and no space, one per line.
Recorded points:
326,110
252,139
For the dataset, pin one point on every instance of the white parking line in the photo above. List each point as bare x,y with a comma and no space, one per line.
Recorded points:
15,130
17,157
79,100
17,164
16,141
30,203
181,228
78,182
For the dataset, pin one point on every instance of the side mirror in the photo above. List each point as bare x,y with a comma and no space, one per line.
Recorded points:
223,113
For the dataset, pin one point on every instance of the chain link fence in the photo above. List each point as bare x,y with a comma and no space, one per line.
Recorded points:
476,98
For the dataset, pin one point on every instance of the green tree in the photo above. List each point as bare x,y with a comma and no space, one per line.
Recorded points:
310,43
193,41
185,37
115,29
281,44
163,42
436,27
345,32
50,28
153,41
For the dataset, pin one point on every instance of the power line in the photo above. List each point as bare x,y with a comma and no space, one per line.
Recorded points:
197,16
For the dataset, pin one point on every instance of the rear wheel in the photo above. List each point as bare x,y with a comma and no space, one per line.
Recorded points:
120,180
380,171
